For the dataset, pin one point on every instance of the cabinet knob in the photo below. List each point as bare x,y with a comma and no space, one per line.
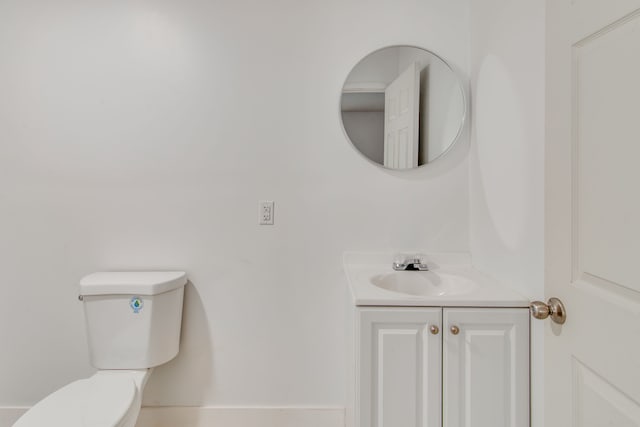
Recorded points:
434,329
455,330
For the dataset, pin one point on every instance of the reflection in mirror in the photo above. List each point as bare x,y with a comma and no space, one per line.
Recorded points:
402,107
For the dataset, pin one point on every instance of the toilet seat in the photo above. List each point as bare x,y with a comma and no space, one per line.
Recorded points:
100,401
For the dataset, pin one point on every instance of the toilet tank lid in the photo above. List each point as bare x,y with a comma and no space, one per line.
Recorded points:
132,282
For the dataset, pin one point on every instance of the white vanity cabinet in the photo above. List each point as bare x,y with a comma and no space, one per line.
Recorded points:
399,371
443,366
485,378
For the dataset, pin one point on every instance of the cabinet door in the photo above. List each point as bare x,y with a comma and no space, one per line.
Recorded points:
399,378
486,367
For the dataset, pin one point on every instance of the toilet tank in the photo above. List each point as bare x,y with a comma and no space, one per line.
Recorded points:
133,318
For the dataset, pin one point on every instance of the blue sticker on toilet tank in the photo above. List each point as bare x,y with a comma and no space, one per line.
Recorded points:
136,304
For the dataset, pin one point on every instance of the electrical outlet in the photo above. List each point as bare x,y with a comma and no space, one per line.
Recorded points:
265,212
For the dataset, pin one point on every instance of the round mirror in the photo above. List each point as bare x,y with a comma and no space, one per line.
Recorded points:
402,107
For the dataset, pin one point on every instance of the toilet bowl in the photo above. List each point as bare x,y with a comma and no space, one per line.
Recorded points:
133,324
107,399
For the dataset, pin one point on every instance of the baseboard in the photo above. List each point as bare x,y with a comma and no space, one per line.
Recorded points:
176,416
193,416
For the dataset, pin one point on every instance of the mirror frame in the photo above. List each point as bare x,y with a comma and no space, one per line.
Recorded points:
463,119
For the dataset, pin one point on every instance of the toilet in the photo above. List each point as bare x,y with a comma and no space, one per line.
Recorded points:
133,324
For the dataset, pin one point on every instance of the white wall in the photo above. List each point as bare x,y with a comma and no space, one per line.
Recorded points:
141,135
507,154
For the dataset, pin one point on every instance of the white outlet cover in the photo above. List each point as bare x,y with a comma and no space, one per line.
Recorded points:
265,212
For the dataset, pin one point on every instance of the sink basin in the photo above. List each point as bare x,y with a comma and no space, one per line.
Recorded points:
451,281
423,283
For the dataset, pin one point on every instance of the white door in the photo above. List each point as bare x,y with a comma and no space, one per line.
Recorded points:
486,367
401,109
592,237
399,377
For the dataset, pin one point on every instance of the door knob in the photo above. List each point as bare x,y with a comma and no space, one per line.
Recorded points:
553,308
455,330
434,329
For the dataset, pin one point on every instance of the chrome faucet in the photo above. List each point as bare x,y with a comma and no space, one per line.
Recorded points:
414,262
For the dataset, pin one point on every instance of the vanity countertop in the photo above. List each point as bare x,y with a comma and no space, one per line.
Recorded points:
450,282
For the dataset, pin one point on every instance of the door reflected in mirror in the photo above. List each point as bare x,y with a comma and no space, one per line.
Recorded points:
402,107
